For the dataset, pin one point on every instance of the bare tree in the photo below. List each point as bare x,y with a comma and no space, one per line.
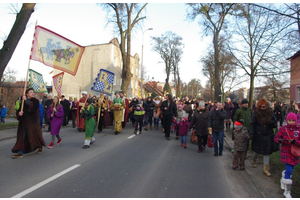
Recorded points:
10,44
214,20
177,57
168,46
257,40
125,16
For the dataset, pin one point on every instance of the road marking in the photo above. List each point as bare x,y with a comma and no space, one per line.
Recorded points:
29,190
131,136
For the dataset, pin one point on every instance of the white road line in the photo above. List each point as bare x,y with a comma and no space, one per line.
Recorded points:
131,136
29,190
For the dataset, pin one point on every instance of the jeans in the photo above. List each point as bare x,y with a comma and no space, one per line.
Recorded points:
21,150
149,120
156,121
183,139
218,136
288,171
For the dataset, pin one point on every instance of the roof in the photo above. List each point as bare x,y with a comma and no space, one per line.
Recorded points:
148,87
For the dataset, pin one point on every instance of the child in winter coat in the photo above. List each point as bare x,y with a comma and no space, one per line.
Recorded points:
139,116
288,135
240,145
3,114
183,127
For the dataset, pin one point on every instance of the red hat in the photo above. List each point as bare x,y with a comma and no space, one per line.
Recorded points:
238,124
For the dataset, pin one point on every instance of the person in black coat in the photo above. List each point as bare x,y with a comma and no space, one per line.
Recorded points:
200,120
47,104
149,107
132,104
169,109
66,106
261,131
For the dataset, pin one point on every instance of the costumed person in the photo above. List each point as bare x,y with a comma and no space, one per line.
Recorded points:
169,110
29,133
100,112
106,105
117,105
149,107
139,116
125,109
132,104
200,121
87,114
81,103
288,135
263,122
240,145
156,115
56,115
183,127
74,111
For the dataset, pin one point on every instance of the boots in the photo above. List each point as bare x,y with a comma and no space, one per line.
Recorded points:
287,187
266,169
146,127
254,163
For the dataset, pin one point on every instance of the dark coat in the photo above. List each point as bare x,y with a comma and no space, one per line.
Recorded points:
200,120
66,107
216,120
149,107
31,122
171,111
262,135
228,107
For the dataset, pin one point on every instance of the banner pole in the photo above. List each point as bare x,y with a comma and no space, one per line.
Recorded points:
25,85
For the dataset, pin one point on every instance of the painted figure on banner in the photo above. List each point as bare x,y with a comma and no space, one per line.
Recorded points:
81,103
117,105
125,110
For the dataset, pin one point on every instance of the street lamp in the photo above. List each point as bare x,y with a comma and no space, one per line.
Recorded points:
142,67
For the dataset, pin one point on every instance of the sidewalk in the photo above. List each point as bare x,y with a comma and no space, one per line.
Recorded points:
267,186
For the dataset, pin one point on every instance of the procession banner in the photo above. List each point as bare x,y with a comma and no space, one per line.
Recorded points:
104,82
36,81
56,51
57,82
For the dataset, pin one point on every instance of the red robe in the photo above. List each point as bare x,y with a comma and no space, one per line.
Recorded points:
126,113
80,120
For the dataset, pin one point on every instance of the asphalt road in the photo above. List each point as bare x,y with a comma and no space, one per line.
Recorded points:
121,166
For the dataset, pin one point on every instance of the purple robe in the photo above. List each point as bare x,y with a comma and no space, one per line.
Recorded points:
57,119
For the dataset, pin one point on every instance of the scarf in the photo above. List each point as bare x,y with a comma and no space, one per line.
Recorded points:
263,116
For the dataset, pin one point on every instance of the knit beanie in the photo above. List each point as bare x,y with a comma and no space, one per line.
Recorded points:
238,125
291,116
201,103
180,106
184,118
245,101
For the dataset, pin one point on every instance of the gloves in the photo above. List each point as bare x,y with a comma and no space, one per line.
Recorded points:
293,141
209,130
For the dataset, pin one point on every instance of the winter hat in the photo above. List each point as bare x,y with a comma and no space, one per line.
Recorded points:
84,92
245,101
201,103
184,118
291,116
261,102
180,106
238,124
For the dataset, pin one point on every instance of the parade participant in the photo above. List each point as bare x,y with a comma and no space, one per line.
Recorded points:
74,112
125,109
29,133
169,110
132,104
56,115
149,107
107,118
157,112
87,113
138,112
81,103
100,112
240,145
48,102
117,105
200,120
216,127
288,135
261,131
183,127
228,106
66,107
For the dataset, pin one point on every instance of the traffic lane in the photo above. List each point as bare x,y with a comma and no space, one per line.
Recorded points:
144,166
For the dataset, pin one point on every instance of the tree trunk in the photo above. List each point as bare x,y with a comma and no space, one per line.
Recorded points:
251,91
15,35
217,83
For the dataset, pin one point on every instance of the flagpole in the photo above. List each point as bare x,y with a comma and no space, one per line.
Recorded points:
25,85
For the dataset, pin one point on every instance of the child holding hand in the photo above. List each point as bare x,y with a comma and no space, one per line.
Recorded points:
288,135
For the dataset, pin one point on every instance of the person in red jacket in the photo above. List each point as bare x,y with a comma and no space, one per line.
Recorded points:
288,135
183,127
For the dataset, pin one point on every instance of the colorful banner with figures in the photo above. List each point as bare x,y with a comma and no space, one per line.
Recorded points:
57,82
104,82
56,51
36,81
